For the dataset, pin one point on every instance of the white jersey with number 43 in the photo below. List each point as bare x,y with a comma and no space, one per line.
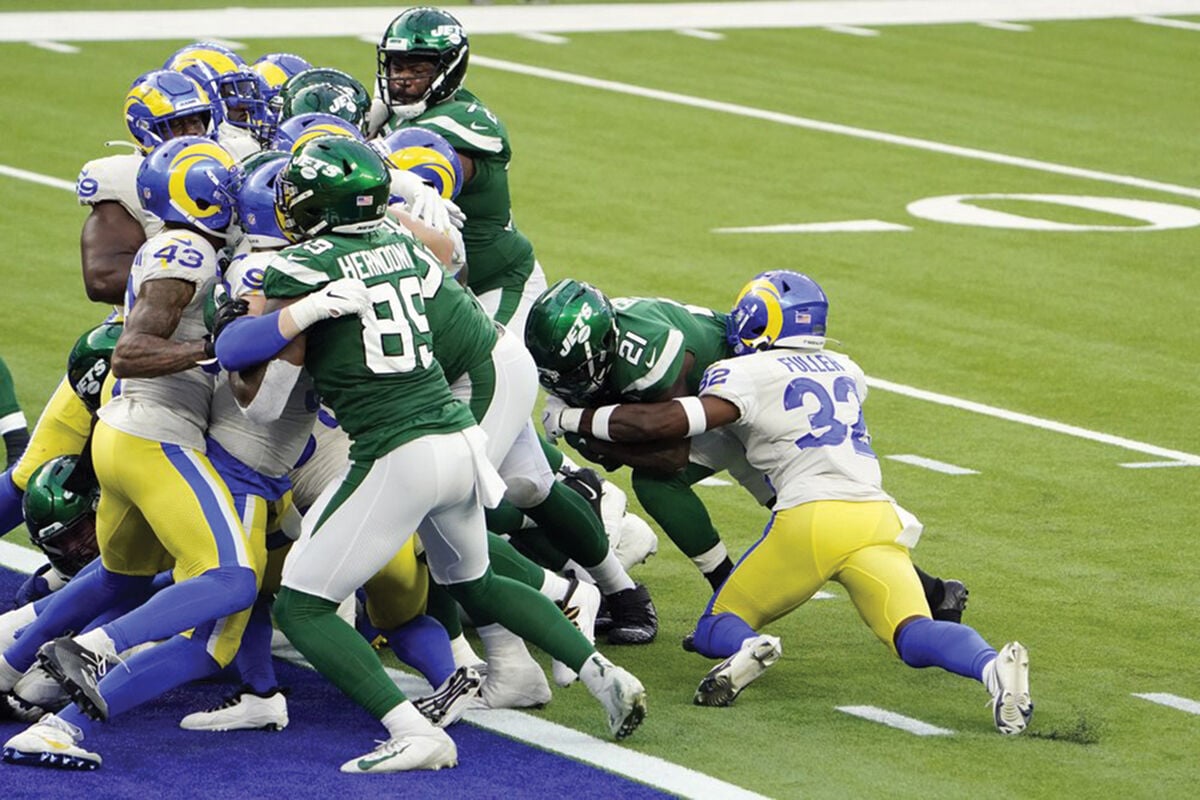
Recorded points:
801,423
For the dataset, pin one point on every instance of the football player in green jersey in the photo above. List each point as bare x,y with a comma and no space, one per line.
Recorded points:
348,303
422,60
13,426
592,351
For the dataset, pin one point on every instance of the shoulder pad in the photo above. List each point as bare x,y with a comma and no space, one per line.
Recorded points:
114,178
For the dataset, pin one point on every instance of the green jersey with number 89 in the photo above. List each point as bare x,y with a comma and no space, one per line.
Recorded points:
653,335
377,372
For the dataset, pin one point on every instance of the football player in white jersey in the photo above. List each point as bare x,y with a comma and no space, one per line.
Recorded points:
797,408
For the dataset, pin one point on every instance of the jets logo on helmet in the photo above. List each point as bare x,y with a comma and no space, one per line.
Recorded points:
779,308
90,361
333,184
421,35
571,333
183,181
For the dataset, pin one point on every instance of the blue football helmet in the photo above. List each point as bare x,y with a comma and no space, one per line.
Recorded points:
236,89
276,70
182,181
297,131
252,187
427,154
162,104
779,308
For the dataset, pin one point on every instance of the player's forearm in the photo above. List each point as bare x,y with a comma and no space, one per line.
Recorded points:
635,422
144,355
668,457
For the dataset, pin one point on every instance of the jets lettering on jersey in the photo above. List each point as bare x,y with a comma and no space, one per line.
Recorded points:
813,362
363,264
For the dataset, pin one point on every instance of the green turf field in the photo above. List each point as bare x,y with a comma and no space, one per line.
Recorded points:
1089,563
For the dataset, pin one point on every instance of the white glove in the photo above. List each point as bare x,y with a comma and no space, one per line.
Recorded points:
552,418
421,200
335,299
376,116
459,259
457,218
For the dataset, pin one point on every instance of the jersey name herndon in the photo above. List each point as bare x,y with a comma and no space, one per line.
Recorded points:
812,362
363,264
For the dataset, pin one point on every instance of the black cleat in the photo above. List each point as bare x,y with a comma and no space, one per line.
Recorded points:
634,619
78,670
954,602
587,483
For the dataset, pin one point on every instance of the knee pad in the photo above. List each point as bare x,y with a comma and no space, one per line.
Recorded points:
527,491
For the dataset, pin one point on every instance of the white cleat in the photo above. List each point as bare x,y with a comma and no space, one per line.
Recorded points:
514,683
637,543
581,605
244,710
723,683
431,750
1011,704
35,694
621,694
458,694
50,743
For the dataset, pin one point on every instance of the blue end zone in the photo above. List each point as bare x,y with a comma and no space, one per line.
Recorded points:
147,755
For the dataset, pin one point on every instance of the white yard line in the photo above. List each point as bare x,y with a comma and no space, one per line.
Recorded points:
1181,24
34,177
1172,701
696,33
1000,25
1036,422
894,720
54,47
845,226
833,127
544,38
276,23
20,559
851,30
936,466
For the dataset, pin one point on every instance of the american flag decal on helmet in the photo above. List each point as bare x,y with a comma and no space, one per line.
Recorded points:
364,200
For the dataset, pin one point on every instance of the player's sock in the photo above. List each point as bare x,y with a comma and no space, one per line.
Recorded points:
535,544
721,635
11,513
15,442
555,456
674,505
610,575
72,607
504,518
952,646
422,643
715,565
253,659
149,674
181,606
444,608
338,652
507,561
525,612
464,654
403,720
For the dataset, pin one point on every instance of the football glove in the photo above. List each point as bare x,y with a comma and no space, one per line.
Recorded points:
552,418
343,297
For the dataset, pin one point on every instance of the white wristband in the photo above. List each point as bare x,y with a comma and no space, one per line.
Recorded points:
697,419
600,423
568,420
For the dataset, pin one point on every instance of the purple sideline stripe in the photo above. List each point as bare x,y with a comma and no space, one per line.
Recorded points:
146,754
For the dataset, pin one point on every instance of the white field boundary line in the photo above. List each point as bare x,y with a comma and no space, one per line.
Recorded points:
833,127
932,464
1177,456
246,23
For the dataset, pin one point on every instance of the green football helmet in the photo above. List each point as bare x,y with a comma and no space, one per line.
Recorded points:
90,361
572,334
423,34
332,185
61,522
327,91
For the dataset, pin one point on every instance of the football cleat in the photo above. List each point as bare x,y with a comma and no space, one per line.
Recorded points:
1011,705
432,750
514,683
452,699
634,619
587,483
621,694
14,707
50,743
78,670
637,541
37,691
725,681
244,710
954,602
580,605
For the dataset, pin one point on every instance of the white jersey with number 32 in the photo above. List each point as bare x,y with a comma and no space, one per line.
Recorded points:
801,423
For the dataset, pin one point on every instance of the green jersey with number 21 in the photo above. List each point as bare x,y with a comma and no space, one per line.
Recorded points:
377,372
